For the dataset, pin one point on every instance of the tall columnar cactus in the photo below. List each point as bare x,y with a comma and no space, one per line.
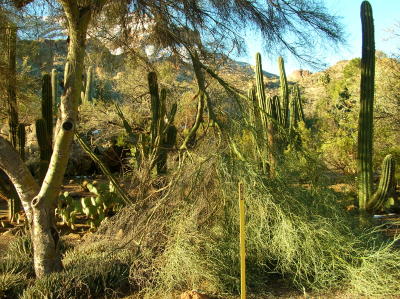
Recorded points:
47,106
386,185
21,140
89,86
155,105
44,146
54,88
11,45
365,125
299,104
262,101
284,91
294,113
267,114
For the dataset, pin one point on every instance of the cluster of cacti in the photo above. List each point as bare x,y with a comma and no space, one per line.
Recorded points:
163,132
275,117
95,208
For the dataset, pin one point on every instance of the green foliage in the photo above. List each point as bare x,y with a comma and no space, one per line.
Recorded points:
90,272
44,146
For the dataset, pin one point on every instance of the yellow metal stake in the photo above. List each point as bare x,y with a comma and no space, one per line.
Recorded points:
242,244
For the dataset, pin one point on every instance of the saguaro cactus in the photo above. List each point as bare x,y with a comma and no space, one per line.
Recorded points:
365,125
284,93
47,106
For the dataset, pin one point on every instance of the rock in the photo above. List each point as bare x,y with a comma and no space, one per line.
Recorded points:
193,295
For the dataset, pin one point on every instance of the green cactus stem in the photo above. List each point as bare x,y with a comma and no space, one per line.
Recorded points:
155,105
44,147
365,124
47,106
267,110
54,89
262,102
284,92
21,140
386,186
299,104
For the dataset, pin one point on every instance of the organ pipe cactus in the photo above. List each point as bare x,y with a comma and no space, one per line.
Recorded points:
386,185
365,125
284,93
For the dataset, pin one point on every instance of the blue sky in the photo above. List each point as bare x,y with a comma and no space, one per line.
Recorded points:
386,14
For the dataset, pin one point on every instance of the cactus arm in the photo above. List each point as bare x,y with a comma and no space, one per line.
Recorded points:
365,126
386,185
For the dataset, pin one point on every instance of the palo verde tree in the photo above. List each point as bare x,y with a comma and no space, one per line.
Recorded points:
165,22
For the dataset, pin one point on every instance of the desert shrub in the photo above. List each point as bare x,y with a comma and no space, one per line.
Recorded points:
90,272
